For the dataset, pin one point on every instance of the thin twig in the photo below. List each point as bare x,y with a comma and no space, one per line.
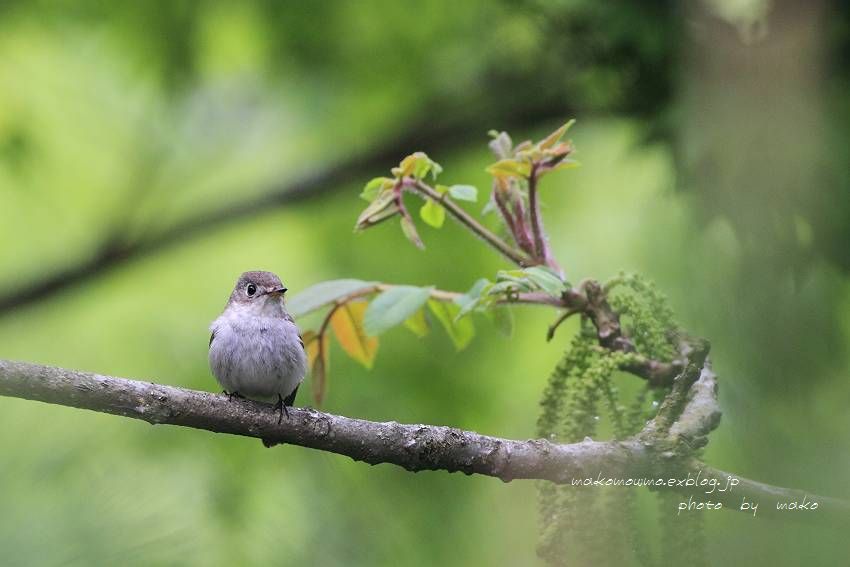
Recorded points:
468,221
507,216
536,221
550,334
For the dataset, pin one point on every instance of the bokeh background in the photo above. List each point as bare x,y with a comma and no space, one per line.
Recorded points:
152,151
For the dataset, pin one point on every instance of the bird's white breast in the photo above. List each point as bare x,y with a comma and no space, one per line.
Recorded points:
256,355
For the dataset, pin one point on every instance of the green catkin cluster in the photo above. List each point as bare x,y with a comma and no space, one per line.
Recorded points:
594,525
572,366
556,503
645,314
571,518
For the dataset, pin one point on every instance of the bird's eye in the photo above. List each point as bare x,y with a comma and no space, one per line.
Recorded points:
251,289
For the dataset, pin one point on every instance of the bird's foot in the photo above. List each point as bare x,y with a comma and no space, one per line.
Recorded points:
234,394
281,408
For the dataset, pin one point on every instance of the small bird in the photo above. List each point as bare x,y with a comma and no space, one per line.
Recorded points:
255,348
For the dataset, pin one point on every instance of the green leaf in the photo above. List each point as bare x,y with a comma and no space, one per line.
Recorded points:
564,164
546,279
323,293
383,207
517,274
409,230
380,217
347,324
510,168
422,167
433,213
490,206
517,280
464,192
418,323
503,319
460,332
417,165
374,187
393,307
467,308
508,286
407,165
470,300
555,136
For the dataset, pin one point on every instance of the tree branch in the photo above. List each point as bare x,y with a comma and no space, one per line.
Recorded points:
701,413
413,447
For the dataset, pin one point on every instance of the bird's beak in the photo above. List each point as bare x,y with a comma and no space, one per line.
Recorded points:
277,291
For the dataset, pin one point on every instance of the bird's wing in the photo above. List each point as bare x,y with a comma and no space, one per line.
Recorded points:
289,318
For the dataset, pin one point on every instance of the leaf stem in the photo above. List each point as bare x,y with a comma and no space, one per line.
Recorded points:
473,225
528,298
550,334
506,215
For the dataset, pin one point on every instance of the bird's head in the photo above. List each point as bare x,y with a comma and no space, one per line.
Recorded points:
259,292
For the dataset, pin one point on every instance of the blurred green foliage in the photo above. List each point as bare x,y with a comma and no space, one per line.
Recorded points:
120,120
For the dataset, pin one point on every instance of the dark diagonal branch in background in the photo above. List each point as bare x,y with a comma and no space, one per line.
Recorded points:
413,447
116,250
